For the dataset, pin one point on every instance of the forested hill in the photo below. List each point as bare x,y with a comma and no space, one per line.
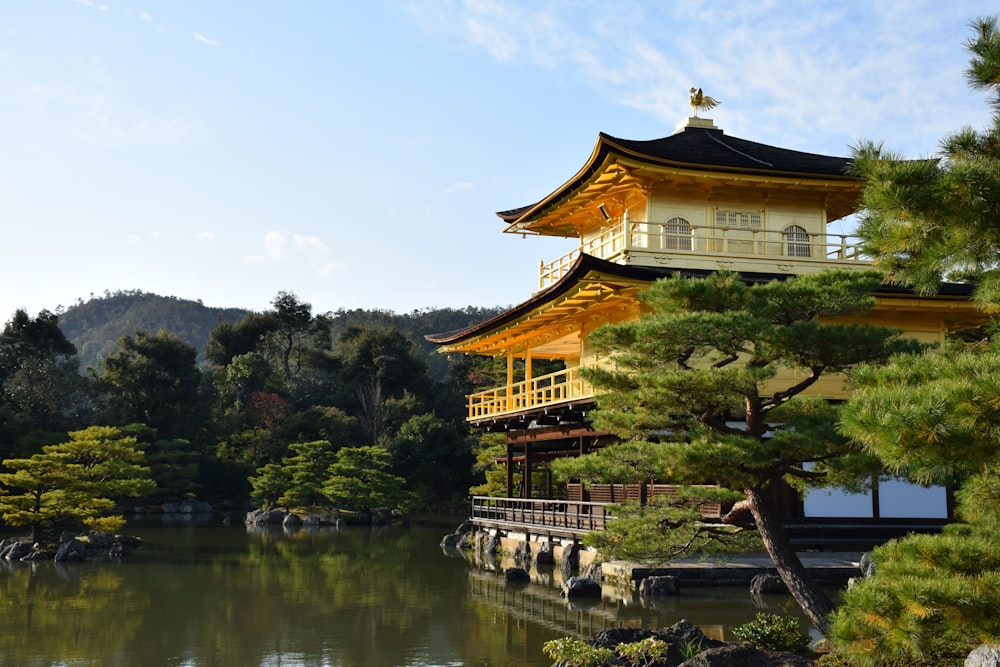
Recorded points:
96,325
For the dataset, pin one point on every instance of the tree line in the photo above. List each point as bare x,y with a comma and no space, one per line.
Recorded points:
287,407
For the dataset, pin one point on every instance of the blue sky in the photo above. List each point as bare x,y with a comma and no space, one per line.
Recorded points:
354,153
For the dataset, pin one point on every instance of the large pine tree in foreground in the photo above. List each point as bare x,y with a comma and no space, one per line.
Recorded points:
935,417
708,388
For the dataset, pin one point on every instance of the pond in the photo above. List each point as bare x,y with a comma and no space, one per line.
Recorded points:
215,595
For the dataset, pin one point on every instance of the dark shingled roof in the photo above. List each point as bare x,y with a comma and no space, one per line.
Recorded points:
712,148
703,149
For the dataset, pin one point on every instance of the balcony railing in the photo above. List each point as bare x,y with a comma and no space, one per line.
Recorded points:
559,387
649,240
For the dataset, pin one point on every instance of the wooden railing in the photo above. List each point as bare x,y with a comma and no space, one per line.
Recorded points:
572,517
556,517
615,243
544,390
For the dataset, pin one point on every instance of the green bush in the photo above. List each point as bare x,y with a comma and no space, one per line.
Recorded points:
644,653
770,632
576,653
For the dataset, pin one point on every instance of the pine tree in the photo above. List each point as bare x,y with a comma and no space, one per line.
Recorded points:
75,483
930,219
934,417
711,383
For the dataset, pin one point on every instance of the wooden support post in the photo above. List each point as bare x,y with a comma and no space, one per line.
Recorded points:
530,398
510,470
527,470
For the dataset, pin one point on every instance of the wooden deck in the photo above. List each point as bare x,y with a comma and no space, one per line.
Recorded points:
556,518
572,518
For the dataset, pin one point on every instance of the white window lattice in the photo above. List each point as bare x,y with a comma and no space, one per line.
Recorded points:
796,241
740,228
677,234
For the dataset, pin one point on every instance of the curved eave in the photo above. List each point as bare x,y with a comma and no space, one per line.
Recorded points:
594,285
610,150
590,283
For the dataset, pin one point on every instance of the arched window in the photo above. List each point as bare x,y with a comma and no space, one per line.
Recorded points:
677,234
796,241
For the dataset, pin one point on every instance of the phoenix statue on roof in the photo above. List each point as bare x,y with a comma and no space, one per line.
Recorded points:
702,102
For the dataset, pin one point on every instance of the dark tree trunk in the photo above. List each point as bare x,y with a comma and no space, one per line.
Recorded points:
816,604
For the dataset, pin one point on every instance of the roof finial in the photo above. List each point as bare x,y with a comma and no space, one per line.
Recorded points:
701,101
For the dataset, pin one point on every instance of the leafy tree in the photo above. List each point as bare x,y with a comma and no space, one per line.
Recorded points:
382,356
42,336
488,448
230,340
270,483
319,423
248,373
78,482
298,479
925,220
361,478
293,319
152,380
699,380
435,457
173,467
35,494
40,383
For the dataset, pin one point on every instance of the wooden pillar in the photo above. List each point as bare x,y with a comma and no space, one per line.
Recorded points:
510,380
510,469
530,398
526,476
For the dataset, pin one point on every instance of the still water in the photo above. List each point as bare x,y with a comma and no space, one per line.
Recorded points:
212,595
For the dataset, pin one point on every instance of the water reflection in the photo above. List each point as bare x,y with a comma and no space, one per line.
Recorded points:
208,595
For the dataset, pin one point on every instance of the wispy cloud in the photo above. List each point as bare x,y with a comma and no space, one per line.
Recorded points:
281,247
141,238
148,18
459,187
113,119
206,236
278,245
819,72
205,40
93,5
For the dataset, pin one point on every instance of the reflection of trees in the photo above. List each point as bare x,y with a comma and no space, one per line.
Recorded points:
67,614
359,583
208,596
357,596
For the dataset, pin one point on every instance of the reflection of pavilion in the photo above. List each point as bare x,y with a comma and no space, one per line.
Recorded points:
684,205
545,606
711,609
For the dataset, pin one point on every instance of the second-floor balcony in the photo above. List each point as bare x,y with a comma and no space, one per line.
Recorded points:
740,248
559,388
